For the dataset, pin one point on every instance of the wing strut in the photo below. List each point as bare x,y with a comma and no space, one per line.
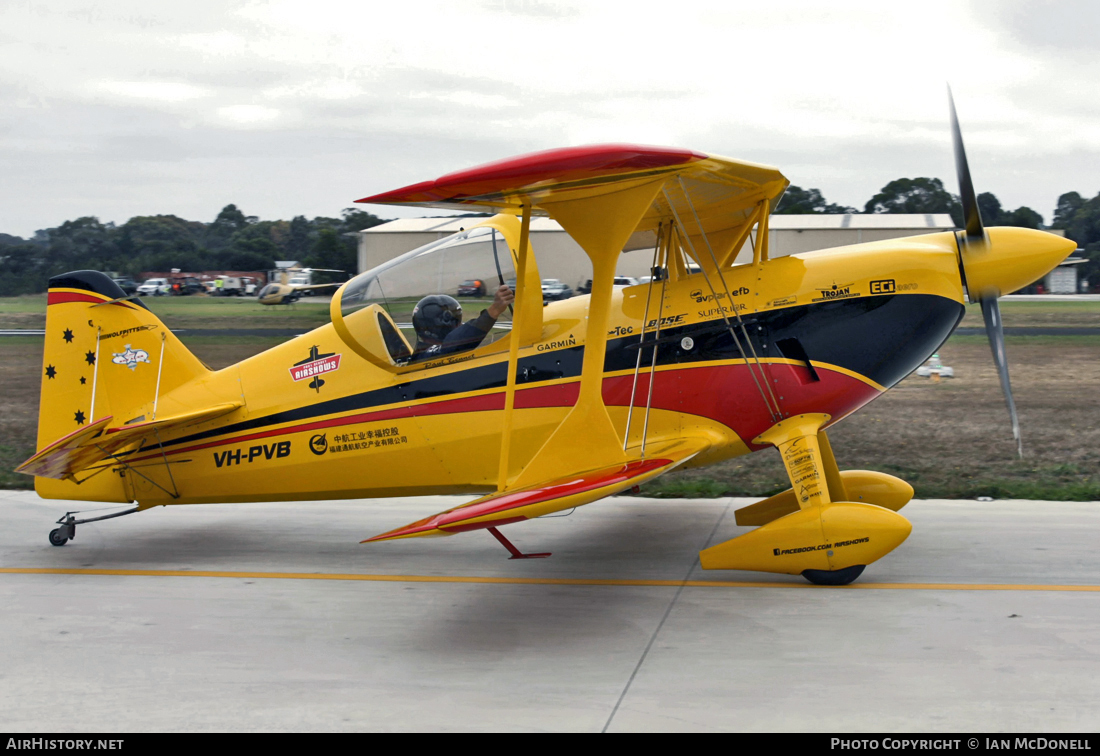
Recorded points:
657,251
518,314
516,553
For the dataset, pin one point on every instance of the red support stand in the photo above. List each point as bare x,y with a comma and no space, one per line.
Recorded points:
516,553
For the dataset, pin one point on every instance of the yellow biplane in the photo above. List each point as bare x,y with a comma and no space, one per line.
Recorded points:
561,405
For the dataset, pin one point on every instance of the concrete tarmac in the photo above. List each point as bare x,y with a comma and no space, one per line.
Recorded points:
273,617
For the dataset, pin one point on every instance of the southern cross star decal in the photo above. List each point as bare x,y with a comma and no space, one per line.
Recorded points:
68,335
89,357
83,380
51,371
79,417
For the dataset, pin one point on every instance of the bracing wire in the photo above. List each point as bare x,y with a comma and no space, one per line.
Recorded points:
729,298
744,353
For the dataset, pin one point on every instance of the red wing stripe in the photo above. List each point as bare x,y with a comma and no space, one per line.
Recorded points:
457,520
557,490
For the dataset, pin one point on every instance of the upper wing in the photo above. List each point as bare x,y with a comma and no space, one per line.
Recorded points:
723,192
98,442
552,496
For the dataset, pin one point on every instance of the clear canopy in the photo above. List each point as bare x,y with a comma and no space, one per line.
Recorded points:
468,266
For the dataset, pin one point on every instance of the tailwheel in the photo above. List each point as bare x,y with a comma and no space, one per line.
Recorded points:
834,577
57,538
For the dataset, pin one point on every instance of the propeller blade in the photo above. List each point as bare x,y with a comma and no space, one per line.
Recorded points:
991,313
972,217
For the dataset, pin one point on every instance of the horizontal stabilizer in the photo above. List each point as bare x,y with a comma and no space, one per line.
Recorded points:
99,441
125,435
552,496
67,454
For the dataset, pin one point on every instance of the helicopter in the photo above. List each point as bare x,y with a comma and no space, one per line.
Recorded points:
287,291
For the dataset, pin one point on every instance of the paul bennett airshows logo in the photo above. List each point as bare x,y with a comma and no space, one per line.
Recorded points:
130,357
314,367
835,292
820,547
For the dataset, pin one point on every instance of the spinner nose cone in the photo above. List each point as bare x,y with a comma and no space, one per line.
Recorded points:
1011,259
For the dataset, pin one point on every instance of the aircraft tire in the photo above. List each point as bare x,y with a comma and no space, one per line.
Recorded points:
56,539
834,577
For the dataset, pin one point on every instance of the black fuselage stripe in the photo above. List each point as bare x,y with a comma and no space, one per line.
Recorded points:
877,337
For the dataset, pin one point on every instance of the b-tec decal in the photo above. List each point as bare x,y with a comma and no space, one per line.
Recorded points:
231,457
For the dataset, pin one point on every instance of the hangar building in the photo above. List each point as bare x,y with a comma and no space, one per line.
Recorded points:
562,258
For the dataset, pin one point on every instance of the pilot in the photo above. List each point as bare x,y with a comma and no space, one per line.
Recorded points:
440,330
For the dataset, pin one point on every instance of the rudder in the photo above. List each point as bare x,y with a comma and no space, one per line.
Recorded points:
104,356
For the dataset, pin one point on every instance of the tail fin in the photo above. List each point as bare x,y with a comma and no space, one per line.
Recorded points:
104,356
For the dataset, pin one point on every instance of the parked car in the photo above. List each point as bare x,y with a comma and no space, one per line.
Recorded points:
474,287
554,290
181,287
127,285
153,287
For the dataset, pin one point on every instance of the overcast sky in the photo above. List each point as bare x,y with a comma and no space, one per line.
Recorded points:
116,108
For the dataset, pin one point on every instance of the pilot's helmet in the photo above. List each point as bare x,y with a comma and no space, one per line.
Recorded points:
436,316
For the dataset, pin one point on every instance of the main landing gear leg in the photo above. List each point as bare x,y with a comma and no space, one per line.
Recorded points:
813,529
516,553
67,531
815,479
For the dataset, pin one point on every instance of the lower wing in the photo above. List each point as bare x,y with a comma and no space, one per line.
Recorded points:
550,496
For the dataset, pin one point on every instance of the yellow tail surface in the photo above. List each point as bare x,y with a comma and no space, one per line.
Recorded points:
104,356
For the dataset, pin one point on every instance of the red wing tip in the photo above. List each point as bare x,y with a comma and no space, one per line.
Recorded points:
409,530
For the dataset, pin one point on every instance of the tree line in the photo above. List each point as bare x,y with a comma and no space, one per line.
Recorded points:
233,241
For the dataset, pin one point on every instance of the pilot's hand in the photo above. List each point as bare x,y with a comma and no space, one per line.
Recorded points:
503,297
